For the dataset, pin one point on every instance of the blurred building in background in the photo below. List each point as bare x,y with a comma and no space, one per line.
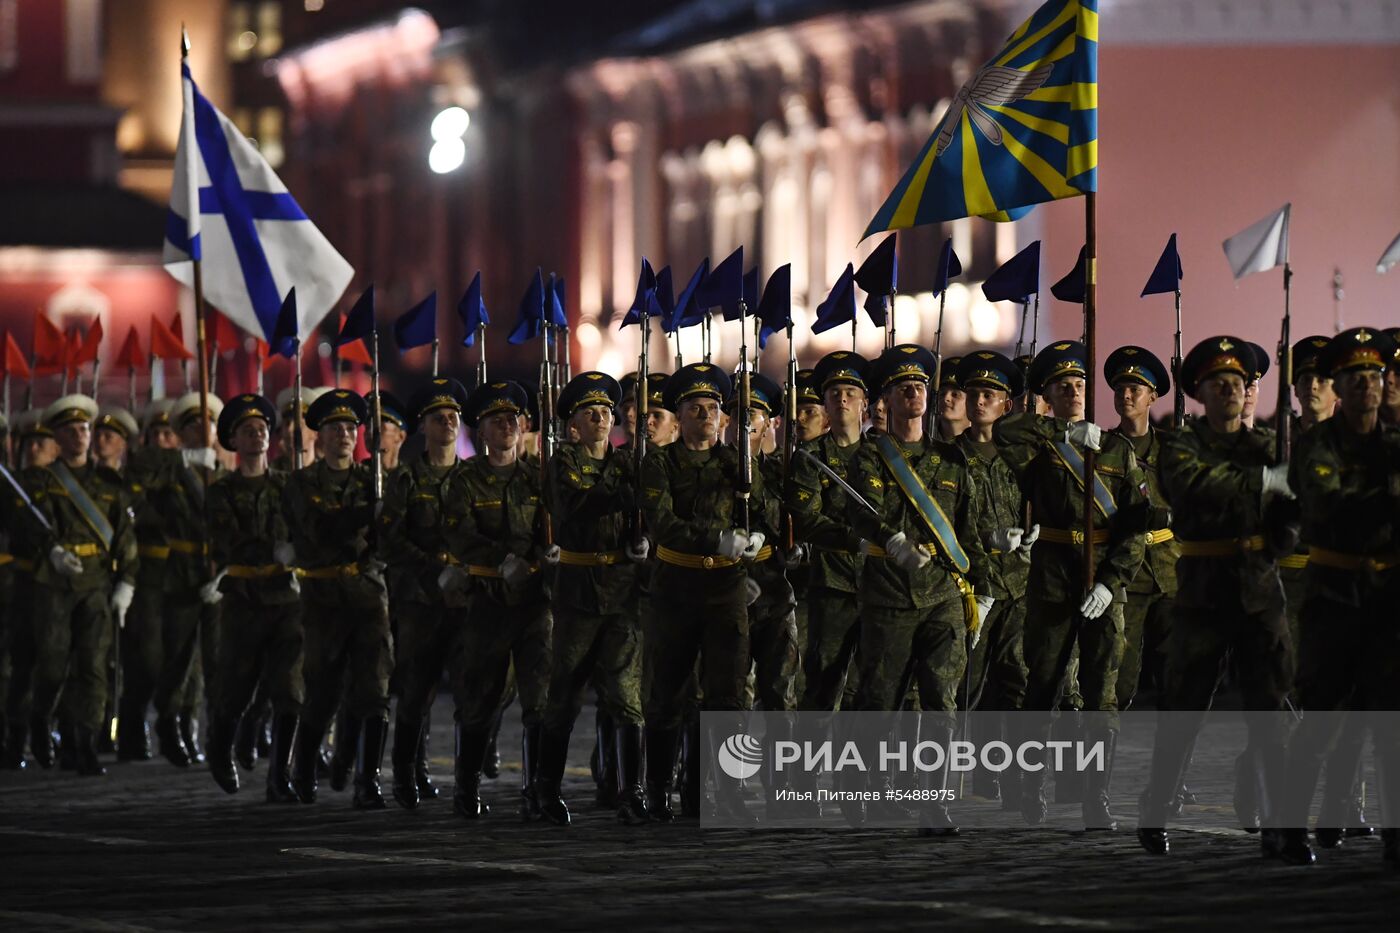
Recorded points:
590,135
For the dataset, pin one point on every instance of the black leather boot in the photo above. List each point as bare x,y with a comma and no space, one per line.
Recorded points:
403,761
549,776
85,748
1290,845
189,732
1094,807
347,740
627,750
279,759
17,736
172,744
221,766
427,790
308,754
729,797
491,761
245,740
1246,798
67,746
604,761
41,742
1033,804
934,821
262,732
369,757
529,773
1154,840
133,733
692,792
661,762
1069,785
466,796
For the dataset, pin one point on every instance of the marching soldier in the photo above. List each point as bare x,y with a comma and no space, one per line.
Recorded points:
698,610
1258,370
329,510
1390,396
289,414
597,638
1046,453
393,428
1345,472
1222,483
413,529
84,578
261,632
925,558
496,535
997,679
155,425
952,402
812,420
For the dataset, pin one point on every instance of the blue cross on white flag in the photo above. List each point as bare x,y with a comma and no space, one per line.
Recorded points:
254,241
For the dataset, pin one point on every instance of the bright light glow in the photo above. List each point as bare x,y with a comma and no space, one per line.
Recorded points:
447,155
314,6
588,336
246,40
985,321
451,123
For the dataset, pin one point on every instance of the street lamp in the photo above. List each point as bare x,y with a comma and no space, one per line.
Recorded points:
448,151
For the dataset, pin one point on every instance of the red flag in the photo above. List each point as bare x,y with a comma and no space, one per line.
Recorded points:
224,334
131,355
50,346
13,363
86,351
356,352
165,345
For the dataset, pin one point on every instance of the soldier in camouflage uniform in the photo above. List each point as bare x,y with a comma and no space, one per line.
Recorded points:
173,484
261,634
1390,392
689,492
413,532
1346,472
84,578
811,423
329,509
1047,455
1222,484
597,638
289,416
952,402
496,533
997,664
926,569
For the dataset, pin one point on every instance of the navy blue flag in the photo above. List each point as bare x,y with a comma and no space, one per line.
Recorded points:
418,325
689,312
284,331
750,289
472,310
879,276
1166,277
724,286
359,323
840,306
645,299
775,310
948,267
557,317
1072,287
531,322
665,298
1017,279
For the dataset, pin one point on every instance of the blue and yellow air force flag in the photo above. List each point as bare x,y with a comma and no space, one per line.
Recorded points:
229,209
1021,131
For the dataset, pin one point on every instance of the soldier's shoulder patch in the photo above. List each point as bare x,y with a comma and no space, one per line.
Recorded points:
948,484
1322,470
574,477
803,495
874,482
652,493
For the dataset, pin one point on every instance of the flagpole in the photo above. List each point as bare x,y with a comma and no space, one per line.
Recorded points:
938,352
855,317
335,361
1283,442
131,388
435,353
297,440
889,315
675,338
1338,325
377,453
29,389
96,383
258,361
481,350
1179,393
1091,287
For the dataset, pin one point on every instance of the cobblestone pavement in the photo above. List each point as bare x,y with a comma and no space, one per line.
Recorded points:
150,847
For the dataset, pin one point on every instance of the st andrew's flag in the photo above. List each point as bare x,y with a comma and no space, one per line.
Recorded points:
228,208
1021,131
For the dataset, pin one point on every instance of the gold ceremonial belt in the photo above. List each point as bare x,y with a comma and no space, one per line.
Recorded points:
1223,547
706,561
1160,536
591,558
874,550
6,558
1293,561
163,551
333,572
1340,560
445,558
250,572
479,570
26,566
1061,536
87,549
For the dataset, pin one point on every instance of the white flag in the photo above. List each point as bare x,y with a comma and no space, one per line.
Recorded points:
229,209
1261,246
1390,257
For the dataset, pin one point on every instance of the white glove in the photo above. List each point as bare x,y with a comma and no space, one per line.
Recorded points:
373,565
637,553
209,593
905,555
754,545
984,609
1029,538
751,591
866,548
64,561
1096,602
296,584
797,556
1006,540
1084,434
121,601
732,542
199,456
284,553
514,570
451,578
1276,481
551,555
